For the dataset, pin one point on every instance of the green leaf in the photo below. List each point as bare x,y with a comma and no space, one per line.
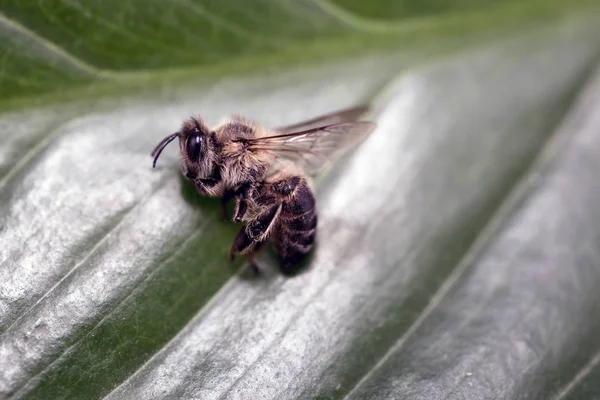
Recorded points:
457,252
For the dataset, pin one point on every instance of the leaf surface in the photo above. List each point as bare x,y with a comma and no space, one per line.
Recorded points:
457,253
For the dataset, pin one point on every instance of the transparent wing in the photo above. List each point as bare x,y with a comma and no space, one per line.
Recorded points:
338,117
313,149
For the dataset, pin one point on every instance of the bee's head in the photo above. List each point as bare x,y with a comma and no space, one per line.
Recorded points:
196,148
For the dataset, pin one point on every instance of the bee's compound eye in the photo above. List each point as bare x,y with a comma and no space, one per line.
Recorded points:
194,146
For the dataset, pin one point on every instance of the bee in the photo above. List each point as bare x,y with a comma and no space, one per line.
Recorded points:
267,172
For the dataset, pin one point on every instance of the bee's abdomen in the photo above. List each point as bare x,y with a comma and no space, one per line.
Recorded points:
297,225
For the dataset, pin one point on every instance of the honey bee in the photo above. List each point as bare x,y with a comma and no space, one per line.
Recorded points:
266,171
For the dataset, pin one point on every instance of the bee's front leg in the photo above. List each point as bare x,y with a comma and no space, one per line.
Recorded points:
205,186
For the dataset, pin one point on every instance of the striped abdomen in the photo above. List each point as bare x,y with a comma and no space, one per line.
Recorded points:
297,224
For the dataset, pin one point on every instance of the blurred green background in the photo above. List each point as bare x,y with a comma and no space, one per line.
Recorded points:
52,45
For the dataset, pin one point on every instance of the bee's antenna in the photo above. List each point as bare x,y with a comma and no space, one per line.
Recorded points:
163,143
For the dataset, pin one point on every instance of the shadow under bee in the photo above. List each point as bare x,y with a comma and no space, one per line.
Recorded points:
210,208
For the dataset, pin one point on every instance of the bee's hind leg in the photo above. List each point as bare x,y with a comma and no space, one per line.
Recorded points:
241,245
250,257
253,235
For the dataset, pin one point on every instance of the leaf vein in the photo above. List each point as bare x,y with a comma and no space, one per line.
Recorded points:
98,244
45,49
583,372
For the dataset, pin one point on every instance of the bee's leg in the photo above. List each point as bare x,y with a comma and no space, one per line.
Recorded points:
240,209
245,245
227,196
241,244
260,227
241,206
203,186
250,257
200,187
255,232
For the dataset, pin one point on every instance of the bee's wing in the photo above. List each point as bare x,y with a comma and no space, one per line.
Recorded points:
338,117
314,148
